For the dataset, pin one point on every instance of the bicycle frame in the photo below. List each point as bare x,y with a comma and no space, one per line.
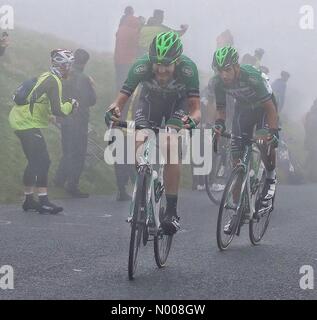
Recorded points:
247,196
153,187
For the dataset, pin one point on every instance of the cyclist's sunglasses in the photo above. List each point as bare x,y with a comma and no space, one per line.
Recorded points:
165,62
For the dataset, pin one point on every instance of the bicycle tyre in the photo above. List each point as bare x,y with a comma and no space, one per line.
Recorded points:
162,242
215,196
137,225
209,181
224,244
255,240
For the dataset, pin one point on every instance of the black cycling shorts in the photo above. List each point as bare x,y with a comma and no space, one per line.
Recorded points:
244,120
35,150
156,111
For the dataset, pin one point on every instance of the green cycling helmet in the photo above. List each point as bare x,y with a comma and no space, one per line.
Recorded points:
165,48
225,57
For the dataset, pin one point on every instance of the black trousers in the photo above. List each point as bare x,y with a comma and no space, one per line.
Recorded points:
35,150
122,71
74,143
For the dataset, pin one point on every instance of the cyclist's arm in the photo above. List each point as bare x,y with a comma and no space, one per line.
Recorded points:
271,114
50,87
121,100
194,108
137,73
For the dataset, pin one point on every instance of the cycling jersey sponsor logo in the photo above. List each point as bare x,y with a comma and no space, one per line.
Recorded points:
242,93
188,71
140,69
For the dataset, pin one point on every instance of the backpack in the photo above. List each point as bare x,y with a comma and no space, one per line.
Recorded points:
21,94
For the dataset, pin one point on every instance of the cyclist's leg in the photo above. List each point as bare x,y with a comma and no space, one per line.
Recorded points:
242,126
172,170
269,160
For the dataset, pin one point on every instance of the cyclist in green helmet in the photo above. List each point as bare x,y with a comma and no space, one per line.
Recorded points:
170,91
254,106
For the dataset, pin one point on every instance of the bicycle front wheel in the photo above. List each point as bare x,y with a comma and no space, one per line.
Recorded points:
137,224
230,210
216,180
261,218
162,242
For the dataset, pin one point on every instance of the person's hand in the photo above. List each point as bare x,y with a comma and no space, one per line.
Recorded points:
75,105
189,122
267,137
113,113
220,127
273,138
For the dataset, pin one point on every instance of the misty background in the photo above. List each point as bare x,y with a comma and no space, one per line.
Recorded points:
272,25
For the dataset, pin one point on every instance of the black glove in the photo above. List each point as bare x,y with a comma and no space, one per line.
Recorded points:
273,138
220,125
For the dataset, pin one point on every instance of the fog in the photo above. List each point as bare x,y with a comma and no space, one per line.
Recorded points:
272,25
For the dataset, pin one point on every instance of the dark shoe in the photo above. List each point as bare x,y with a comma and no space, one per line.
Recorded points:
170,224
123,196
31,205
76,193
50,208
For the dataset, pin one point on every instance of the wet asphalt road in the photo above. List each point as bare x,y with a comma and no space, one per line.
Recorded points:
83,253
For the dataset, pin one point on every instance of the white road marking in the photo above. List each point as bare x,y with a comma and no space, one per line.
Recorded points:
105,216
5,222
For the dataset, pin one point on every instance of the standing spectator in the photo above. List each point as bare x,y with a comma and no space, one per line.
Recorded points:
126,46
254,60
153,27
225,39
279,87
126,51
41,105
75,128
4,43
258,55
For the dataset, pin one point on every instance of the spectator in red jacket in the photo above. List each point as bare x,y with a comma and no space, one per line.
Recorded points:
225,39
126,45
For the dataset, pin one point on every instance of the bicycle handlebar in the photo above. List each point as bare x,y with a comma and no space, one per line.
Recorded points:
132,125
229,135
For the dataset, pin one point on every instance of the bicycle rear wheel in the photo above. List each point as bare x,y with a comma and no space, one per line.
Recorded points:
215,182
137,224
261,218
162,242
229,212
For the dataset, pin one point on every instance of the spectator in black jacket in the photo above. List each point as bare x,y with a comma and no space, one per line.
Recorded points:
75,128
